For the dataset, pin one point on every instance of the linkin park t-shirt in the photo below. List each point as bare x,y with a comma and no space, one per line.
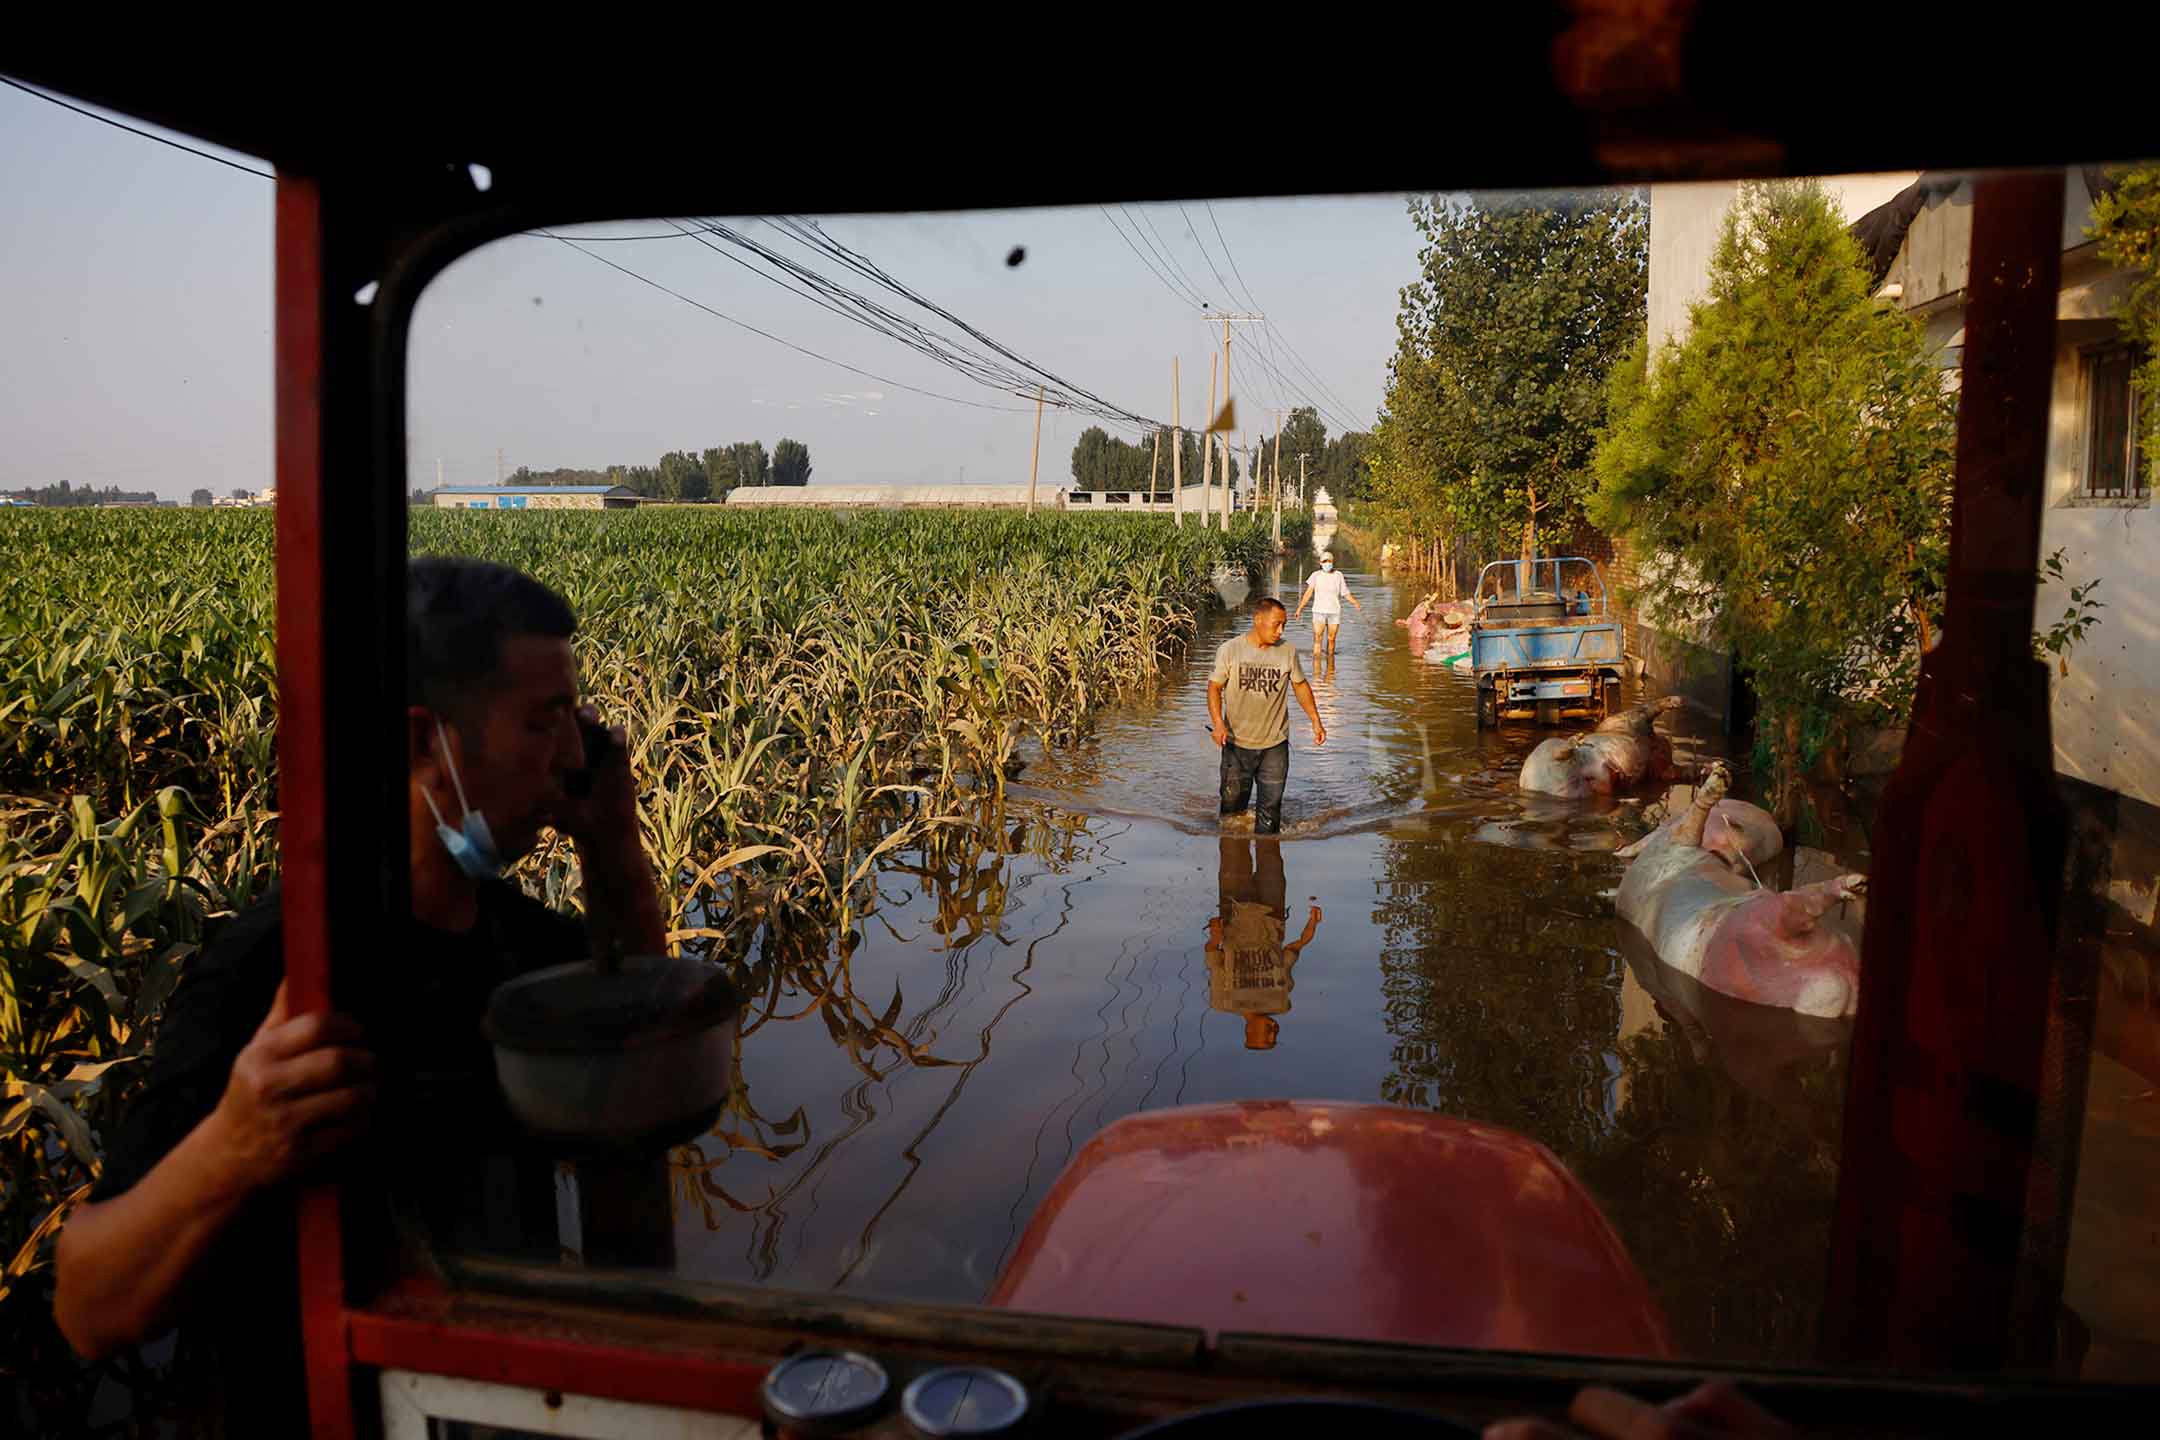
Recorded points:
1256,681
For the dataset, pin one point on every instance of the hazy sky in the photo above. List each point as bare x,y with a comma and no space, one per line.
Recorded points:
135,344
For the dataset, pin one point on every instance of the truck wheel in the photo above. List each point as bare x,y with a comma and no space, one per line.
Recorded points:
1488,709
1548,712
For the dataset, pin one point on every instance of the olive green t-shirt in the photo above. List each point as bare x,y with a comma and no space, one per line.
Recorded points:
1256,681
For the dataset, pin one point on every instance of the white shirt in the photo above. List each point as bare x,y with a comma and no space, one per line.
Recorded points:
1328,588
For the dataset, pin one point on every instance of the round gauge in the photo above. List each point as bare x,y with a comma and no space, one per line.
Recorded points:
821,1392
964,1400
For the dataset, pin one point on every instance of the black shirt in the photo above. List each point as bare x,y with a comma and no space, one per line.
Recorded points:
439,1158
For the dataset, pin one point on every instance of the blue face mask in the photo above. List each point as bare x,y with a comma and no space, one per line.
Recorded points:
1327,565
471,848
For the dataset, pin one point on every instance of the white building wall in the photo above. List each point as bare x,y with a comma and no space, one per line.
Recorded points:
2107,709
1685,221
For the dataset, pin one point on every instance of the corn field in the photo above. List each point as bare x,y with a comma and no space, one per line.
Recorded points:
808,697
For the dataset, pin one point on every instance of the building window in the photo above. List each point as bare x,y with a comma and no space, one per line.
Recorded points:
2115,460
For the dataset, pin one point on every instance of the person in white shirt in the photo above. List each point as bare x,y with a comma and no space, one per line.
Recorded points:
1325,591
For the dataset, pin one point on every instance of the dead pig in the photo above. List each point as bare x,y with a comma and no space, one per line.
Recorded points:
1703,911
1432,622
1623,751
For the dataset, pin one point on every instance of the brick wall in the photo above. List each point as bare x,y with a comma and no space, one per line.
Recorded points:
1666,664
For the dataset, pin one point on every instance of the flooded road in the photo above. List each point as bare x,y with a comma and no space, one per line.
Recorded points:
1423,934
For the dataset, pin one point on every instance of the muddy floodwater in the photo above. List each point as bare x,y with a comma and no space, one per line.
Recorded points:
1423,934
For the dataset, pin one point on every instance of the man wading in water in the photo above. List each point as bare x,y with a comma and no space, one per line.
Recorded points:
1326,589
1252,720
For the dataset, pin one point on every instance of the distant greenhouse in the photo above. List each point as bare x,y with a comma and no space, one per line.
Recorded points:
534,497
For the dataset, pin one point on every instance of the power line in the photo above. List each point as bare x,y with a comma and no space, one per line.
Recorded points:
145,134
1295,357
1211,259
768,335
1182,297
1163,248
809,232
1291,387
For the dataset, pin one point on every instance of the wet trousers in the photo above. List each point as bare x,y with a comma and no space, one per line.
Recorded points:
1268,771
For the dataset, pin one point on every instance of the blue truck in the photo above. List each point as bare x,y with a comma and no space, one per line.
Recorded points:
1545,642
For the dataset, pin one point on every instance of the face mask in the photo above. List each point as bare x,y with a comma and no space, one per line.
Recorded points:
472,849
1327,565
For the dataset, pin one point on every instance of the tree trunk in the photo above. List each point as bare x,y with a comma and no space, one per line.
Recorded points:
1529,528
1788,791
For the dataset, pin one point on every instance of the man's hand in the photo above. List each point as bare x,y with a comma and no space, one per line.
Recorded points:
622,909
1714,1411
1221,732
1319,734
302,1088
606,815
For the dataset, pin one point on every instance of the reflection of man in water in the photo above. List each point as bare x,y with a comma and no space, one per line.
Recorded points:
1248,963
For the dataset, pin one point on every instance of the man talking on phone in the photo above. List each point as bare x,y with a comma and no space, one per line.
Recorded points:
1248,701
192,1217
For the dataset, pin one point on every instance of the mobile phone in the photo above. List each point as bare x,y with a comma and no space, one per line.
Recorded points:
600,748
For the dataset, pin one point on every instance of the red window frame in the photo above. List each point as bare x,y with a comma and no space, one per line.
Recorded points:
1909,1287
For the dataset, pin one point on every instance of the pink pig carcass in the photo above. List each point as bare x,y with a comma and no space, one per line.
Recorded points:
1434,625
1623,751
1691,890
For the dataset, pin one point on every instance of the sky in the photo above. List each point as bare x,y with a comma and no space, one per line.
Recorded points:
135,329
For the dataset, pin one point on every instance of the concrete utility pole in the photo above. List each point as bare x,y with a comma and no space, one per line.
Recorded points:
1226,437
498,465
1301,482
1207,447
1035,458
1227,321
1177,450
438,472
1277,458
1278,482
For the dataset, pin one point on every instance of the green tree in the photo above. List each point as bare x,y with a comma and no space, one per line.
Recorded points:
201,499
682,477
1091,459
2126,222
1785,474
1346,466
1522,307
1302,434
752,467
720,470
790,463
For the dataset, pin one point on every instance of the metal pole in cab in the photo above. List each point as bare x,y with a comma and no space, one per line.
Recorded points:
1949,1098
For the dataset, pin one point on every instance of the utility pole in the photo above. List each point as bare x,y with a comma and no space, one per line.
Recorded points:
1301,482
1035,459
1226,437
1154,473
1207,447
498,465
1278,482
1227,321
438,472
1177,449
1278,459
